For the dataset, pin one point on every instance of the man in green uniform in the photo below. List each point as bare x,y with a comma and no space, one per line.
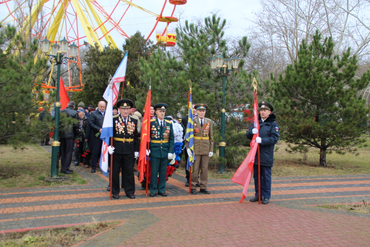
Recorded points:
161,149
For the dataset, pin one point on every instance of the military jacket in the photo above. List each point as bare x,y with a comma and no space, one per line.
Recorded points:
125,136
203,137
162,140
269,133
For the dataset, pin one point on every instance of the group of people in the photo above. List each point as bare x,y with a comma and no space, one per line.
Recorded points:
126,145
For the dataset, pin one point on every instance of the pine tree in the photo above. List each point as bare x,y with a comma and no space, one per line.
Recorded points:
19,80
316,100
171,73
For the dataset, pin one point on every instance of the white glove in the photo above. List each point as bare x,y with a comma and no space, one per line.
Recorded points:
173,160
169,156
258,139
254,131
136,154
210,154
188,150
111,149
147,152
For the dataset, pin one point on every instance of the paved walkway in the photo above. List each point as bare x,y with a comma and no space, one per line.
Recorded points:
181,219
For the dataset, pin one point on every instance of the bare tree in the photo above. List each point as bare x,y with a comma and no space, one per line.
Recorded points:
284,23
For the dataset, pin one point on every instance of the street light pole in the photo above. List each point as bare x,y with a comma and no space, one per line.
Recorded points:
218,66
57,55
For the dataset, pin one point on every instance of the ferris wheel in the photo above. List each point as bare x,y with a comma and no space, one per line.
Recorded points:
82,22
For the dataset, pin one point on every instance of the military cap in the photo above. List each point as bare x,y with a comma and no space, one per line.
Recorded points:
81,110
265,105
201,106
161,106
125,103
81,104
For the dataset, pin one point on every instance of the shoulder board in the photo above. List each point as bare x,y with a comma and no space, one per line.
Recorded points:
152,120
115,116
168,121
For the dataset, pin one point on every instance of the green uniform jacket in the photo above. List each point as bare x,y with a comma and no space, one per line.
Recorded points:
162,141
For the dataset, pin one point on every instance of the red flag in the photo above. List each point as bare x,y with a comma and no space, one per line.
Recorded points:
145,138
243,175
63,96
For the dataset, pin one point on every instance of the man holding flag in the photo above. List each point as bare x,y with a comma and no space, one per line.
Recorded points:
125,148
203,148
267,137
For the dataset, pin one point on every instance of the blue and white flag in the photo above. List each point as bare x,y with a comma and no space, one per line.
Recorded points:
107,129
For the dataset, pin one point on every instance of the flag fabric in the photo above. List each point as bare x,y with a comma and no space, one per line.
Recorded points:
119,76
244,173
107,129
145,138
111,96
189,136
63,96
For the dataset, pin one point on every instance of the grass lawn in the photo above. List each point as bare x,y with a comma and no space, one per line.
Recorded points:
54,237
292,164
28,168
361,208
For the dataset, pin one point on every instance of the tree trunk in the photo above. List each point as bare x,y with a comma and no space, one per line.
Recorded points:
323,152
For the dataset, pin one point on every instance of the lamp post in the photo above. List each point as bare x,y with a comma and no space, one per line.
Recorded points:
223,66
57,56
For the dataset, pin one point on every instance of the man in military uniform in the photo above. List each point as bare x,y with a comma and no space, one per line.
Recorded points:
268,137
125,148
161,149
203,148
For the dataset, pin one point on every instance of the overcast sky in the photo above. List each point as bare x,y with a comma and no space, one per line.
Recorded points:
235,11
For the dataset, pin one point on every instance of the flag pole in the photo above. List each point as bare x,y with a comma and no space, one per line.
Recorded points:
147,147
189,92
111,172
254,83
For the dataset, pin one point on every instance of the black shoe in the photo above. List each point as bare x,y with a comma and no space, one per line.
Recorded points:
254,199
70,170
265,200
108,188
198,184
204,191
152,195
194,191
93,170
187,184
131,196
66,172
115,196
162,194
76,164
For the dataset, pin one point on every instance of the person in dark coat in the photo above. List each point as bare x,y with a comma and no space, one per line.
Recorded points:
125,147
95,143
268,137
67,140
80,131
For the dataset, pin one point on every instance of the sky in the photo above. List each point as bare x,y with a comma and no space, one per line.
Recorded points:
234,11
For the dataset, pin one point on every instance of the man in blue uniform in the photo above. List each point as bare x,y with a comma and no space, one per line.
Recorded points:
161,149
125,149
268,137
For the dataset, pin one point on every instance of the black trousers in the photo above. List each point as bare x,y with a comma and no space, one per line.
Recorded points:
66,150
265,181
125,162
186,160
96,151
